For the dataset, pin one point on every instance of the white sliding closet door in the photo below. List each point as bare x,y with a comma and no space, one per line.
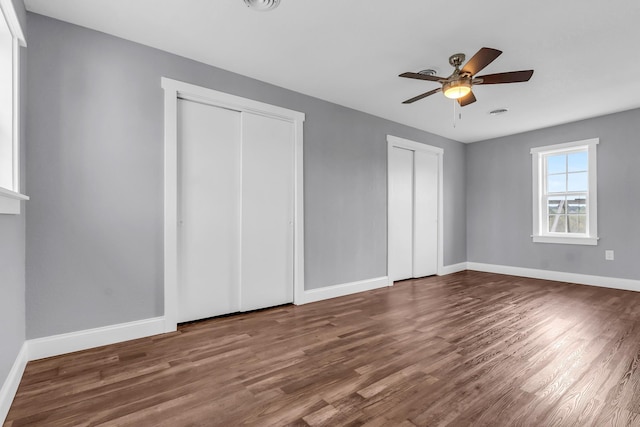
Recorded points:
400,221
208,211
267,212
413,213
236,210
425,214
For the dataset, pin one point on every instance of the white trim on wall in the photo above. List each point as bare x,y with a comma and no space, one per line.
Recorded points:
394,141
13,22
453,268
10,201
170,209
559,276
11,383
74,341
174,90
11,197
55,345
313,295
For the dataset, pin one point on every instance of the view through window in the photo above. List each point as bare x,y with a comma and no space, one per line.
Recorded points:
567,186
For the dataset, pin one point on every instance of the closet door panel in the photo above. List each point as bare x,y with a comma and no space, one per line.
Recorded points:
209,210
400,220
267,212
425,219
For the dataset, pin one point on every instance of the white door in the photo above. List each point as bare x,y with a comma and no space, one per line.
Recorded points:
236,204
267,212
400,220
425,214
413,213
208,210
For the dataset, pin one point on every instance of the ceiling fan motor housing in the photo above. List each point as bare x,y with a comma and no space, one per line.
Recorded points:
456,59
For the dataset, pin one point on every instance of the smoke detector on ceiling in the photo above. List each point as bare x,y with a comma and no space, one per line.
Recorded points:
262,5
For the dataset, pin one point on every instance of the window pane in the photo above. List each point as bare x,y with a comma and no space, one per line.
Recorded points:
578,181
557,223
578,161
555,205
557,183
577,223
557,164
577,204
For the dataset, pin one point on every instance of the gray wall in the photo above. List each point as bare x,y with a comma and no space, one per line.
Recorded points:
12,262
94,235
499,200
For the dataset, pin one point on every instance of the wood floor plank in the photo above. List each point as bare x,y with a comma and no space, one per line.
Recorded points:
467,349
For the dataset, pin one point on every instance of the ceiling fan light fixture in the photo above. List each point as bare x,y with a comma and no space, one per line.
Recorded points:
262,5
458,85
456,89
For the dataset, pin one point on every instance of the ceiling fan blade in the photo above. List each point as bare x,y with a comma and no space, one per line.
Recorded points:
470,98
422,77
481,59
510,77
424,95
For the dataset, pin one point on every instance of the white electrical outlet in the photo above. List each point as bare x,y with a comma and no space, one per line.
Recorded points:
608,255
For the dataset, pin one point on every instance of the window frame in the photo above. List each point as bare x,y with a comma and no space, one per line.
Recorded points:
10,198
540,233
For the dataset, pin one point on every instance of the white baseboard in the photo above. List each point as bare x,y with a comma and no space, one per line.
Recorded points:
11,383
313,295
560,276
453,268
55,345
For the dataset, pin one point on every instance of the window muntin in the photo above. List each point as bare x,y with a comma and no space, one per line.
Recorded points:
566,191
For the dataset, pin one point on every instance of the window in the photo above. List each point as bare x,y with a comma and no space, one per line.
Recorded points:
564,193
11,37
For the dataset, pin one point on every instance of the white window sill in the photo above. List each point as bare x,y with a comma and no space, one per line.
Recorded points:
566,240
10,201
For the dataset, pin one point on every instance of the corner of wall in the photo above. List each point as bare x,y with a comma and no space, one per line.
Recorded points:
11,383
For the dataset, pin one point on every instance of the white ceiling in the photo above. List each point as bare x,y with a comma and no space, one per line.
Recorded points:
584,52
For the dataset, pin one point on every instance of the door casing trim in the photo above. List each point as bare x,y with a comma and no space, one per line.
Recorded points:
174,90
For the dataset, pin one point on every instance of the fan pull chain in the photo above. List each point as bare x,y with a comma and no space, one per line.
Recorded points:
458,116
454,113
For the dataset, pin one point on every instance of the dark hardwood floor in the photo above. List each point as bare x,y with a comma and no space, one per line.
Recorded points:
464,349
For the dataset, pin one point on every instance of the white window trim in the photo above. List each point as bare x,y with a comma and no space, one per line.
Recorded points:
538,235
10,198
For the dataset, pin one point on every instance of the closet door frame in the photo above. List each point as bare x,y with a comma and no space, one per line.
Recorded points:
394,141
174,90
